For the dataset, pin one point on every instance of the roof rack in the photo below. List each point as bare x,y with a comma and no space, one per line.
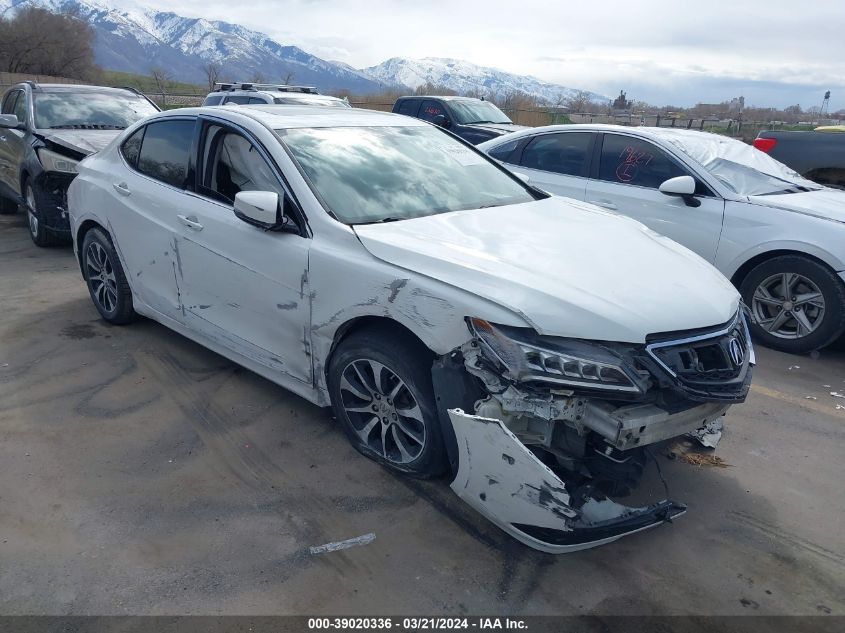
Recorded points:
227,87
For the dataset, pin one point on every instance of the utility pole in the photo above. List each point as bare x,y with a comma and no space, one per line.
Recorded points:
825,105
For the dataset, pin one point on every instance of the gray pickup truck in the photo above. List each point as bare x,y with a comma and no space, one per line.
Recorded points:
817,155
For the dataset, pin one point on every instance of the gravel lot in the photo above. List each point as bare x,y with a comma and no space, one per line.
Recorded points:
142,474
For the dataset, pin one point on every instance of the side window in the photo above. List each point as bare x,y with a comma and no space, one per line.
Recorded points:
131,147
504,151
257,100
632,161
9,101
430,109
232,164
213,100
20,106
165,150
563,153
409,107
241,99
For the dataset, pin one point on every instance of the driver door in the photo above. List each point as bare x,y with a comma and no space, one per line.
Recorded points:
626,181
241,286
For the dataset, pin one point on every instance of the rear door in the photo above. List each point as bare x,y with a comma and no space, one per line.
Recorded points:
146,198
626,179
241,286
558,162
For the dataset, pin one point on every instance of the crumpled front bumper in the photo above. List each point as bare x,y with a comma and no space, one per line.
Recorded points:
504,481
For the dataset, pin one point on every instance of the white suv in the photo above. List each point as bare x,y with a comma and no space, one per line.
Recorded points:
275,94
455,318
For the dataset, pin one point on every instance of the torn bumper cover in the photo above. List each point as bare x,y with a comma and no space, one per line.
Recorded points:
503,480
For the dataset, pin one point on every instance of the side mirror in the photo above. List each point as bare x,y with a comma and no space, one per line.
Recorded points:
10,121
441,121
257,207
680,186
683,186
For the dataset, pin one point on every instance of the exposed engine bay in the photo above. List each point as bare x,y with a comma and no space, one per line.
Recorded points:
544,431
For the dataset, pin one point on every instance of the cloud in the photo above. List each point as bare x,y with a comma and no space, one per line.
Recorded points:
672,53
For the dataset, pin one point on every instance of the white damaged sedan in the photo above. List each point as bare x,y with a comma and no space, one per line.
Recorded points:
455,318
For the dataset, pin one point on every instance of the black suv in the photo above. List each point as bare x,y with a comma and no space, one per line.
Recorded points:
474,120
45,130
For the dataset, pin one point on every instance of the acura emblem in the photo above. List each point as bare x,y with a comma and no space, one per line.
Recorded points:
735,351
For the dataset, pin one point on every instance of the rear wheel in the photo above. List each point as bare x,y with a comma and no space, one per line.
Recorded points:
40,234
380,385
106,280
797,304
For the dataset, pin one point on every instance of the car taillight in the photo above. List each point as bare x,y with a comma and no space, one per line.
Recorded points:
765,144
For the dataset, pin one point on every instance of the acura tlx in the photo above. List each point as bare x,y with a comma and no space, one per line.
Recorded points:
456,319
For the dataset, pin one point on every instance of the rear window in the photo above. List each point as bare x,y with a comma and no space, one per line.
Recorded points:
213,100
563,153
165,150
408,107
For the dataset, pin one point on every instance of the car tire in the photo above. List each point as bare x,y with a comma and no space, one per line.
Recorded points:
392,419
40,234
780,320
105,278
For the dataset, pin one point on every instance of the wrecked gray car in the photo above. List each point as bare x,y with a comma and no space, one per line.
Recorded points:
456,319
45,130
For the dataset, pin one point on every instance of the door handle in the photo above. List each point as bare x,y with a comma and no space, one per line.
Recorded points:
122,188
190,222
607,204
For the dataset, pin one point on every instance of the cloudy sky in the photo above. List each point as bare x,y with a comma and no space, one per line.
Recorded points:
774,52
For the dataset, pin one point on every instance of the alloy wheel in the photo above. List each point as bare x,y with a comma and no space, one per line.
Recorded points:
382,411
788,305
101,277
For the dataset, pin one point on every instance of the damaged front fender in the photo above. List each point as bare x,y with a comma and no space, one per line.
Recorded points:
500,478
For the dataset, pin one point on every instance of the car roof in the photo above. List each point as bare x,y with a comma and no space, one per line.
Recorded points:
443,97
278,117
80,88
644,131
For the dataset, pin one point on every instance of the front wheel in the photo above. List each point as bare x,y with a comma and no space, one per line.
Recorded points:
797,304
380,385
40,234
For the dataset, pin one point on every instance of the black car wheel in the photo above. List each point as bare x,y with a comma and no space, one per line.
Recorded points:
380,386
797,304
106,280
40,234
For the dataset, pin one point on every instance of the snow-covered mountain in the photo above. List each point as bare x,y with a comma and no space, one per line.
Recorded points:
136,39
464,77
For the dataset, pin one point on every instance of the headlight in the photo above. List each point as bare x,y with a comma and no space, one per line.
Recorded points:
526,356
51,161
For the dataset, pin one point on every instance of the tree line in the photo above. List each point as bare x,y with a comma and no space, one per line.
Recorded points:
38,42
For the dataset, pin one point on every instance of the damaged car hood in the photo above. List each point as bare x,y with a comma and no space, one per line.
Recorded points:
85,141
568,268
827,203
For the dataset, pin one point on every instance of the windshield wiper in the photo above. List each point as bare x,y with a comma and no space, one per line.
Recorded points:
380,221
87,126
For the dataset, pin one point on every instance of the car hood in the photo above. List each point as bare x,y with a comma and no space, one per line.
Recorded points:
568,268
499,128
84,141
827,203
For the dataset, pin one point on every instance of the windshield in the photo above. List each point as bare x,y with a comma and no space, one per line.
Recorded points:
742,168
97,110
477,112
331,103
374,174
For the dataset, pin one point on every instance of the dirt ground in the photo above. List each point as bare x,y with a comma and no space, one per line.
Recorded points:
143,474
